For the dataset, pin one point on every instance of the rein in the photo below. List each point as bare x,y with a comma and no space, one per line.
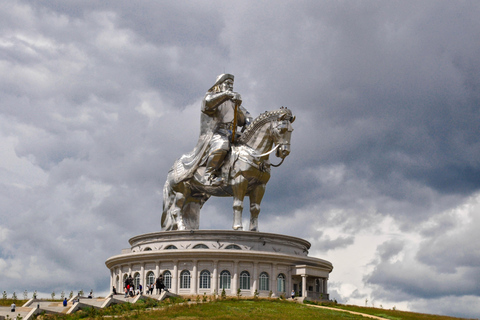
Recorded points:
267,153
278,165
257,123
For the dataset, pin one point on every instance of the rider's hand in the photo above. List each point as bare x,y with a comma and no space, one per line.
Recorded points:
235,97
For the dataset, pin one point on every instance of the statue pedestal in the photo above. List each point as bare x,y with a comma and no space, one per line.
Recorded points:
199,262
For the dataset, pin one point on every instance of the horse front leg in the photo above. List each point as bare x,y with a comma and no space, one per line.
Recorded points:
256,197
239,190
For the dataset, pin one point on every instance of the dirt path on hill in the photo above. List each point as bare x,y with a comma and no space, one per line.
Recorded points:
352,312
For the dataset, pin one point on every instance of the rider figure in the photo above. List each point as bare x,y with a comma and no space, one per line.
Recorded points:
220,105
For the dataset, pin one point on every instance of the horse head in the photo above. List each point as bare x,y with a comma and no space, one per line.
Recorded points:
277,125
282,133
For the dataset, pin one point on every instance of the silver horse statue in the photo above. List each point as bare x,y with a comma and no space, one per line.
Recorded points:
246,171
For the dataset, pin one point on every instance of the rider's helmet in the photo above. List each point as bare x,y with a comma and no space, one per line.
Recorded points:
221,78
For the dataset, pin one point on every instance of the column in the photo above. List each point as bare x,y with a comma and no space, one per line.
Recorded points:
142,276
275,287
273,279
234,279
157,269
325,286
175,277
215,278
254,278
118,284
193,282
304,285
288,282
112,279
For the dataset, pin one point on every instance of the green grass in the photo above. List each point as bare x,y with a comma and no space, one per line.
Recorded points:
236,309
8,302
389,314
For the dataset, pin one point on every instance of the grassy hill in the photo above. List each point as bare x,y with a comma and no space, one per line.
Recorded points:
238,309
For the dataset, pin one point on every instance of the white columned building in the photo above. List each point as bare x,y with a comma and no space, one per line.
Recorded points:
270,264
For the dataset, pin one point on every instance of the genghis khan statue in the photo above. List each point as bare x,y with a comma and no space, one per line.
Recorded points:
225,163
222,113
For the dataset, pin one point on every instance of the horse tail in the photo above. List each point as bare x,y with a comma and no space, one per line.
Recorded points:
168,221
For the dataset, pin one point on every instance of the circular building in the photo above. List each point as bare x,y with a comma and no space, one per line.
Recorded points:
209,261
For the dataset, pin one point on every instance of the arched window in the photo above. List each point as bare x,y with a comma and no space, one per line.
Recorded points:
205,279
185,279
263,285
170,247
281,283
244,280
233,246
225,279
150,278
200,246
167,279
136,280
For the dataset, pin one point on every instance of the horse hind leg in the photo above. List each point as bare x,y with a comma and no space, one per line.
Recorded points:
254,211
239,190
169,214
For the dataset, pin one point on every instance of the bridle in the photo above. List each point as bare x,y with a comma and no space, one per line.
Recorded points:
269,152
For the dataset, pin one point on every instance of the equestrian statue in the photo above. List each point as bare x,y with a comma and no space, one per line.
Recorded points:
225,162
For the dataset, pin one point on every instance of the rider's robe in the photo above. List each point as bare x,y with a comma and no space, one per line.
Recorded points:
213,114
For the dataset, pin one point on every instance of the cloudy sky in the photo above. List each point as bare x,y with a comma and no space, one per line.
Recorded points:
97,99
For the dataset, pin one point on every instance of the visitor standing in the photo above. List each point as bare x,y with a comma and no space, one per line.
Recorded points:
157,285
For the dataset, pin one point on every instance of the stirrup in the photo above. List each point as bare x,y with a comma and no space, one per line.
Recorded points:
212,179
216,181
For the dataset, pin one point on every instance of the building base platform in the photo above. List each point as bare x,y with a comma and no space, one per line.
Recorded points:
245,263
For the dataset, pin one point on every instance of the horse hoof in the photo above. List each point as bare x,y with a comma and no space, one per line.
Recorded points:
238,228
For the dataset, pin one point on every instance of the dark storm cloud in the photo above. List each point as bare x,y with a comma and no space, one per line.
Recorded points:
325,243
396,99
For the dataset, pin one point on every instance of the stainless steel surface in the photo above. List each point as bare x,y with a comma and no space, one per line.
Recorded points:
218,167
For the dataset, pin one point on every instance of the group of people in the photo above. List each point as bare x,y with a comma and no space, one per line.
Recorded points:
129,287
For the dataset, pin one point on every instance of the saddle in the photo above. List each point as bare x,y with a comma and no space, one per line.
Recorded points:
224,171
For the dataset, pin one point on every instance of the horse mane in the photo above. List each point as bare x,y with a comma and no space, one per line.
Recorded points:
259,121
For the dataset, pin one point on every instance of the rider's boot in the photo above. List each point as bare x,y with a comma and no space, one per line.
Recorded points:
214,162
